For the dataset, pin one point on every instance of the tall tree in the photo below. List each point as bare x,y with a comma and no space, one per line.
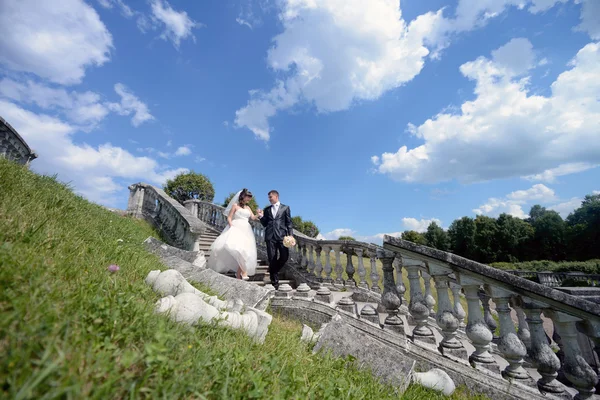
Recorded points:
436,237
415,237
548,241
513,235
190,185
583,229
462,237
484,241
306,227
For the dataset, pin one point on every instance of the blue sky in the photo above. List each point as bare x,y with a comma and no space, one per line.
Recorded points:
369,117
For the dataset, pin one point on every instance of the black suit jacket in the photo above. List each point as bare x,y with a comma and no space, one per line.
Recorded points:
279,226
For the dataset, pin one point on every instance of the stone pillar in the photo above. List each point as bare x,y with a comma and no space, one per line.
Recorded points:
400,288
446,320
374,273
523,332
362,272
347,304
477,330
318,264
591,330
543,357
390,299
327,279
418,309
339,269
575,368
459,311
350,269
429,300
136,201
311,259
303,258
509,344
487,313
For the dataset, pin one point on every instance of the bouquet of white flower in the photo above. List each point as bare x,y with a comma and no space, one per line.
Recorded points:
289,241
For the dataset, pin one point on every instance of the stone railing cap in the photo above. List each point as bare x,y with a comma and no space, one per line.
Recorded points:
517,284
193,222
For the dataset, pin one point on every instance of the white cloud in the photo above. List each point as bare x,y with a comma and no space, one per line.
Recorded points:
124,8
550,175
590,20
330,56
505,132
419,225
183,151
82,108
177,24
513,202
336,233
473,14
516,56
130,104
94,171
56,40
565,208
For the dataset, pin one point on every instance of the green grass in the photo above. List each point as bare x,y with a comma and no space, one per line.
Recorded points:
71,329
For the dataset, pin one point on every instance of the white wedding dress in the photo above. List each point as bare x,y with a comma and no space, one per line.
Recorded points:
235,246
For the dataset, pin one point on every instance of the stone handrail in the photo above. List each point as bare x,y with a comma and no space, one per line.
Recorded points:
176,224
13,146
572,316
556,279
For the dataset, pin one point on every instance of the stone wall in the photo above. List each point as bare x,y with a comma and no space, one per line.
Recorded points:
12,145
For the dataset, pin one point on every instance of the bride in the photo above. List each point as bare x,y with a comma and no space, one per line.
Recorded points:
235,248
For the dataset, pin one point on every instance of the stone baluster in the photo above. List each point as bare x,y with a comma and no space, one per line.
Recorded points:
477,330
459,311
418,307
370,314
311,259
591,328
487,313
575,368
362,272
339,269
546,362
374,273
429,300
509,344
523,332
445,318
318,264
400,288
302,255
390,299
350,269
328,269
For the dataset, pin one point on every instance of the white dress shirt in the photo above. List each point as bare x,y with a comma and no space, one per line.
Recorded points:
275,208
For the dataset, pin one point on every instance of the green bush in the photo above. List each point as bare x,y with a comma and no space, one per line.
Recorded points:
588,267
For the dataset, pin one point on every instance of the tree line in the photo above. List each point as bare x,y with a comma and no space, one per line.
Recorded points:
545,235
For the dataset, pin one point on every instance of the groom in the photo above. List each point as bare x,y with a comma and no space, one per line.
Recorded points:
277,220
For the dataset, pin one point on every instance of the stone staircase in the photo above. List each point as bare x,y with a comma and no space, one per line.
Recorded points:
261,278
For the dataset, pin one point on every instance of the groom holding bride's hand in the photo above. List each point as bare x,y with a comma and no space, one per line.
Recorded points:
277,220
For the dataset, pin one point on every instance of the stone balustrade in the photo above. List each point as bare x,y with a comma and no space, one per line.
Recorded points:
572,316
12,145
556,279
176,224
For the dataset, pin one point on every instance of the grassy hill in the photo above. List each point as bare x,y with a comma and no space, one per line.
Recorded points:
69,328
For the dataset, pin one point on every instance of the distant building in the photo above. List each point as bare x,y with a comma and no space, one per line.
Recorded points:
12,145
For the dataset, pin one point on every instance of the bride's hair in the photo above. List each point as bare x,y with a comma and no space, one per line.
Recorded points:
245,193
